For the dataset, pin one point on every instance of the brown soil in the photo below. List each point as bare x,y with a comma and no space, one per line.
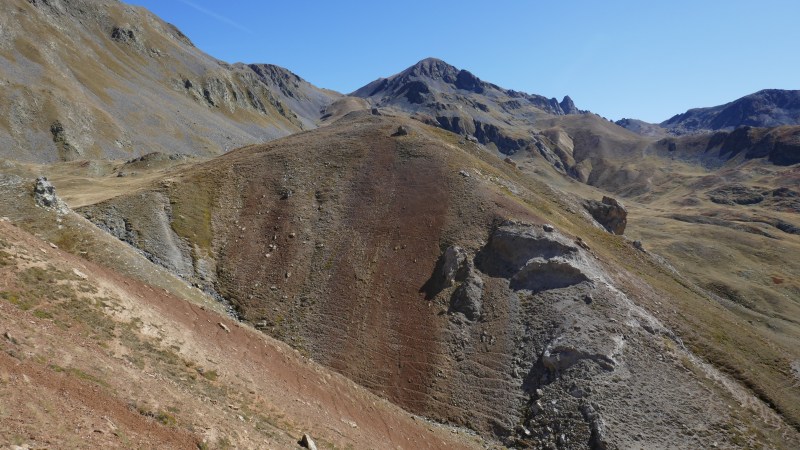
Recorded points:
179,379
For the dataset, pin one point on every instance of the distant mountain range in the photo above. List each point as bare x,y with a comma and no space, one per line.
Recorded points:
108,80
763,109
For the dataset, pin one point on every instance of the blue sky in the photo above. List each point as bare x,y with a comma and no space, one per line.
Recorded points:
642,59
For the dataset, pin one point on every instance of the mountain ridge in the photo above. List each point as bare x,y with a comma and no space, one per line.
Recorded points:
767,108
107,80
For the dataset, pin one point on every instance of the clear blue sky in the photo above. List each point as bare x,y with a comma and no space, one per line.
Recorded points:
643,59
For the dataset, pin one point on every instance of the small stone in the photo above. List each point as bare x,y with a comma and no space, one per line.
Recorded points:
224,327
464,173
53,245
80,274
548,228
9,337
292,235
588,299
401,131
638,246
307,442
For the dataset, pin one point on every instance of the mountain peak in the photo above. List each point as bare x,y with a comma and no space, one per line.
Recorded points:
432,68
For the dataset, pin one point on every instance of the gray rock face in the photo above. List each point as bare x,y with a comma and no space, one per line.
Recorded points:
568,106
609,213
539,305
467,298
454,262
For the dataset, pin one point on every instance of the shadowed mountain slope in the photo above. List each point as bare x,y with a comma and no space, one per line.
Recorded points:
100,79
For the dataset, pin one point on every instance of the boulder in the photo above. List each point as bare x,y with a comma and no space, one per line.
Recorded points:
467,298
609,213
44,194
453,262
401,131
307,442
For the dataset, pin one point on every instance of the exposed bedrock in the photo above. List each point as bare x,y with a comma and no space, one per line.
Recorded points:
547,353
609,213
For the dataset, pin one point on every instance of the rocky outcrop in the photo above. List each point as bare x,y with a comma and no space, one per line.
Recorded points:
736,194
641,127
609,213
467,298
579,348
307,442
401,131
44,194
568,106
779,145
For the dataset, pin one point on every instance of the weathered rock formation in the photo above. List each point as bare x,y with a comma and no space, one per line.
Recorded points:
609,213
44,194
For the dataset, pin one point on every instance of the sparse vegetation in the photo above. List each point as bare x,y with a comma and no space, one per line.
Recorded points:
78,373
210,375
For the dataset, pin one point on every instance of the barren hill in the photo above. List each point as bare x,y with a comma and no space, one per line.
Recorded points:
102,349
418,266
100,79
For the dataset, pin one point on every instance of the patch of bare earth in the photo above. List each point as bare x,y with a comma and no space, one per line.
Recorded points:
94,359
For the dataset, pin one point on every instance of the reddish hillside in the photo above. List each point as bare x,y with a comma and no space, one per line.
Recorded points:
94,359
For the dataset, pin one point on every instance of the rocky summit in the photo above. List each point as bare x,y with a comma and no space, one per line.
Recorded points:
199,254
